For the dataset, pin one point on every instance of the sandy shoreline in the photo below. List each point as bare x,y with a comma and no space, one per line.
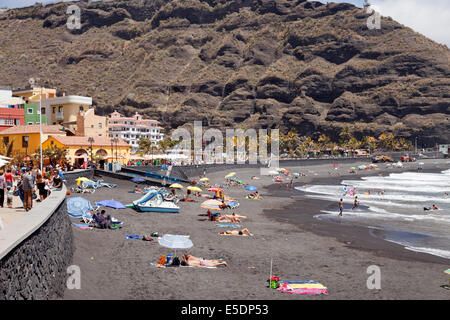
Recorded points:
113,267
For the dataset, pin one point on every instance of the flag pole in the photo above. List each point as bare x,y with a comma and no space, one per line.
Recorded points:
40,129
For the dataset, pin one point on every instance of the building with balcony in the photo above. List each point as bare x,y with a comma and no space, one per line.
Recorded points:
58,110
131,129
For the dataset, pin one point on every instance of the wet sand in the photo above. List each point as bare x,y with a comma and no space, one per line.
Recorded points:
337,256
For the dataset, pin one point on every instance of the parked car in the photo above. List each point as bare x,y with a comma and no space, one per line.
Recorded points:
383,158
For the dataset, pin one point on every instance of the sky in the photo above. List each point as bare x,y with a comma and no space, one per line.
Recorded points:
428,17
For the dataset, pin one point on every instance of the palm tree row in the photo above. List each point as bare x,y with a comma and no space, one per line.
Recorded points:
293,144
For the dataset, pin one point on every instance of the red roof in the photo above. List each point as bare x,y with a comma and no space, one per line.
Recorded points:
33,128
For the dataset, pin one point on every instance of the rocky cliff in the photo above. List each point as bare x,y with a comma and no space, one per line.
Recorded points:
237,63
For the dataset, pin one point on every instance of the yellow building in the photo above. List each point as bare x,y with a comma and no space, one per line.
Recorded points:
91,125
78,149
25,139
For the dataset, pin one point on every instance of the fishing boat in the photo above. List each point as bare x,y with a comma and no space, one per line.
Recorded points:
154,201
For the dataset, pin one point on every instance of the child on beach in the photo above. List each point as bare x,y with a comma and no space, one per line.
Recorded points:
9,197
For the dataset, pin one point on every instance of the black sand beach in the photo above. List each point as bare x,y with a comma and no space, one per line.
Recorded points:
302,248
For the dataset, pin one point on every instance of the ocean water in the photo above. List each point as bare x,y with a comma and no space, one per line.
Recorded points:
395,205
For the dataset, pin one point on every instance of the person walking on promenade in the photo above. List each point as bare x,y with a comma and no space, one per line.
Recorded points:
2,188
341,207
9,178
28,186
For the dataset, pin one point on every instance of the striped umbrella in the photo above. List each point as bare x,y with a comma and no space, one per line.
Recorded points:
211,205
77,206
175,242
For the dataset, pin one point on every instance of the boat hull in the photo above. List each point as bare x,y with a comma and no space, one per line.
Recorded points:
156,209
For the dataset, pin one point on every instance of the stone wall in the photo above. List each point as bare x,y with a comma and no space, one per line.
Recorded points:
38,250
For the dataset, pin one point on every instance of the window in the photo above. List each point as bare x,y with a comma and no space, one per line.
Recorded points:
81,109
30,123
60,109
54,109
100,125
2,121
52,142
5,141
30,110
92,126
42,110
25,141
10,121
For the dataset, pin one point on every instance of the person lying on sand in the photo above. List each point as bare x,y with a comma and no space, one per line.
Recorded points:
238,232
137,189
227,218
192,261
254,195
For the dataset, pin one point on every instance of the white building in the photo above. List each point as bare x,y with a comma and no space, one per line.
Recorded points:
131,129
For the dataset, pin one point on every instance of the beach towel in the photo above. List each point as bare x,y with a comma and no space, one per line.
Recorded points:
306,288
296,281
82,226
132,236
228,225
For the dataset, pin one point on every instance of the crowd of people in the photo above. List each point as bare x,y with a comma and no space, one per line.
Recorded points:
28,183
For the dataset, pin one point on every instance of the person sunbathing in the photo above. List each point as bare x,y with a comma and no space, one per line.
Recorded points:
137,190
232,216
189,260
227,218
238,232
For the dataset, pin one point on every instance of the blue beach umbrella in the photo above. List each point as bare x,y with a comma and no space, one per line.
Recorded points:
78,206
138,179
111,204
251,188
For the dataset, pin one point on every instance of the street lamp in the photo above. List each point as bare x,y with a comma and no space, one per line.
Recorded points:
115,140
91,141
25,140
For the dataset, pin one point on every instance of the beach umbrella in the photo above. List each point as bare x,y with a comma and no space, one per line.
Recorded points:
251,188
215,189
211,205
138,179
175,242
196,189
231,174
176,186
203,179
77,206
278,180
111,204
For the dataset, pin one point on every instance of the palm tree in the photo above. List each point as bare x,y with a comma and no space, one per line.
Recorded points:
144,146
324,142
54,154
8,148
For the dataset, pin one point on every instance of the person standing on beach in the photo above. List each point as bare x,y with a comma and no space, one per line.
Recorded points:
355,203
341,207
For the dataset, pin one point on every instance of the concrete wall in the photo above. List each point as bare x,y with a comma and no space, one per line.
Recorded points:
195,170
35,252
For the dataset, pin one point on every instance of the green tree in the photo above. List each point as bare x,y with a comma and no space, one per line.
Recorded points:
54,154
144,146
